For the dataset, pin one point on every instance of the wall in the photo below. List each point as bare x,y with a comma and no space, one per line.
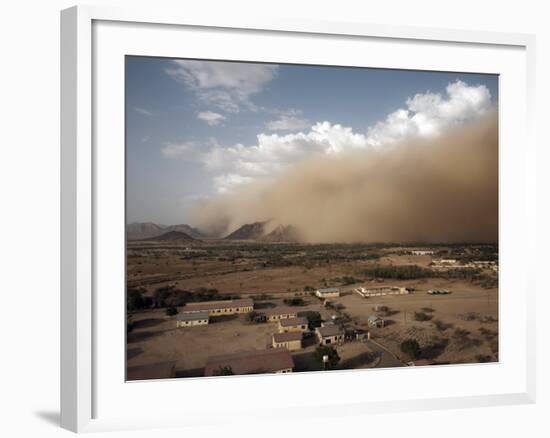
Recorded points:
29,176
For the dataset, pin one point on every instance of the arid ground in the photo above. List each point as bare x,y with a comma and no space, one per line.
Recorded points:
460,327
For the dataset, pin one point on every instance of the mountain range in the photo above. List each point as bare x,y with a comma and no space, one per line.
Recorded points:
147,230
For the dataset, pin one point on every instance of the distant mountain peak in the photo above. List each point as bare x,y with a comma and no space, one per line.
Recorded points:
146,230
253,231
172,236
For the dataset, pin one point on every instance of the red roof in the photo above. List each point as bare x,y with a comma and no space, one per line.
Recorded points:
252,362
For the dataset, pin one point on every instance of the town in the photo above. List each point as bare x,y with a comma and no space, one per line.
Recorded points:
232,308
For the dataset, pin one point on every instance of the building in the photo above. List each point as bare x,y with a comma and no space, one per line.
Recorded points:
290,340
330,292
274,360
190,319
298,324
219,308
161,370
375,321
381,291
422,252
278,313
329,334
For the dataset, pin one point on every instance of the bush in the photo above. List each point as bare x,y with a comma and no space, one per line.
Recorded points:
421,316
411,348
135,299
333,357
171,311
296,301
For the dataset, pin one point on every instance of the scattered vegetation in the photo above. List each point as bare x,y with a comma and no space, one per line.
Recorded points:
422,316
411,348
295,301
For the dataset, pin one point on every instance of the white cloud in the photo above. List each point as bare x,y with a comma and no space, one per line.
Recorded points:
429,113
425,115
211,117
143,111
185,151
226,85
288,122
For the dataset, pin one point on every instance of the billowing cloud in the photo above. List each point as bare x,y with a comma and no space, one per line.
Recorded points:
225,85
211,117
426,115
438,189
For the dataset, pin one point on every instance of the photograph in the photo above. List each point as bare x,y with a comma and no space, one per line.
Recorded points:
287,218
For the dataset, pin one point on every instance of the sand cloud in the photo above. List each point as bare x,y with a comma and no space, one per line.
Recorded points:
441,188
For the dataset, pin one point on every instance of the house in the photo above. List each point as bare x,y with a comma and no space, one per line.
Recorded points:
330,292
290,340
274,360
329,334
375,321
278,313
293,325
190,319
219,308
160,370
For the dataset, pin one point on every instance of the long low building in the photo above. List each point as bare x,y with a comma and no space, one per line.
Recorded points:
329,292
381,291
278,313
298,324
192,319
290,340
275,360
218,308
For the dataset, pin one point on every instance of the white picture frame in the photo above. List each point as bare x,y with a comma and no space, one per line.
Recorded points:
90,401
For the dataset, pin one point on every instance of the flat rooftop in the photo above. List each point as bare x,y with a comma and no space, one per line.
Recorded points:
286,337
289,322
192,316
328,290
252,362
212,305
330,330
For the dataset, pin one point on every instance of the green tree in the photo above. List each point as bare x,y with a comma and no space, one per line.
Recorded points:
135,299
313,319
333,357
411,348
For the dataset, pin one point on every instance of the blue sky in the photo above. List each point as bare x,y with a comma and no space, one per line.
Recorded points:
200,129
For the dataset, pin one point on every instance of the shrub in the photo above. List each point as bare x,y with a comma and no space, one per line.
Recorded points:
421,316
313,319
411,348
171,311
296,301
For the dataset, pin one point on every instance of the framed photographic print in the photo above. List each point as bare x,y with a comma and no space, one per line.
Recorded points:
281,207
